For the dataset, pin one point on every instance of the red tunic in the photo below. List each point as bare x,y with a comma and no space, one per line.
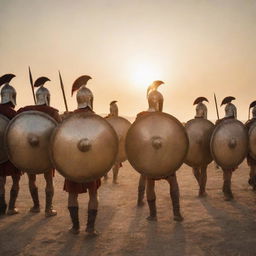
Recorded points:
79,188
52,112
7,168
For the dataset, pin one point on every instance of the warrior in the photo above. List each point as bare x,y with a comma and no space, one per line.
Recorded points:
250,160
201,109
113,109
230,109
84,99
42,105
155,103
8,102
230,114
205,128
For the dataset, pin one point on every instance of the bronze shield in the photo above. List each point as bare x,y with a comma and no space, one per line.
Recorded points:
252,141
199,131
27,140
156,144
229,143
84,147
121,127
3,125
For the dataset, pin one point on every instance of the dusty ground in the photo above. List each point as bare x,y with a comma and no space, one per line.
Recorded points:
211,226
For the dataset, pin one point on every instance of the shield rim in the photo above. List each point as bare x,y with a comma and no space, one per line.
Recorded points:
189,163
249,135
29,112
68,177
127,121
172,172
217,127
4,148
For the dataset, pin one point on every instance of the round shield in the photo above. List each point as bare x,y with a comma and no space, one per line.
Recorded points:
252,140
229,143
121,127
84,147
27,140
3,124
156,145
199,131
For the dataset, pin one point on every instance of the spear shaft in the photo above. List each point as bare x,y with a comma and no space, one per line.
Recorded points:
216,105
32,84
63,92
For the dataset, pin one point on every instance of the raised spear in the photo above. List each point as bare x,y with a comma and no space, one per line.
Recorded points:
32,84
63,92
216,105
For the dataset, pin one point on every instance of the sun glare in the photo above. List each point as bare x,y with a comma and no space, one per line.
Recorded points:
144,74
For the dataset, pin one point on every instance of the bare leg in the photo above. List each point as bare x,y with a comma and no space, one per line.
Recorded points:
92,211
175,196
34,193
202,181
73,211
3,204
141,190
196,174
49,192
227,175
13,195
151,198
252,180
115,172
72,200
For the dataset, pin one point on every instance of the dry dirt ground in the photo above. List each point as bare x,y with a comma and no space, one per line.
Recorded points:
211,225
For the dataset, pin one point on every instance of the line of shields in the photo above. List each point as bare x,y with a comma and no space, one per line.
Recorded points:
84,147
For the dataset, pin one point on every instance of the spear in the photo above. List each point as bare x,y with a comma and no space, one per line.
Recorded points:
32,84
63,92
216,105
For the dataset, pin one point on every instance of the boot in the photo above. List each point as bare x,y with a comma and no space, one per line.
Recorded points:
176,206
202,192
13,196
152,210
228,195
141,193
3,204
49,211
91,222
73,211
34,195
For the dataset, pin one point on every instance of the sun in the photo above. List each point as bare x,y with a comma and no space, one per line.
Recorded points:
144,73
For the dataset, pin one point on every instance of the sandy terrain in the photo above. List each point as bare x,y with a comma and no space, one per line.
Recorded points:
211,226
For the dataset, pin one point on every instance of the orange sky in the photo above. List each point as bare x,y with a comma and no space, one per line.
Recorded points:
196,46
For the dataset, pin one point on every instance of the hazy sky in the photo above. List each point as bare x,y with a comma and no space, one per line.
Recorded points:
196,47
